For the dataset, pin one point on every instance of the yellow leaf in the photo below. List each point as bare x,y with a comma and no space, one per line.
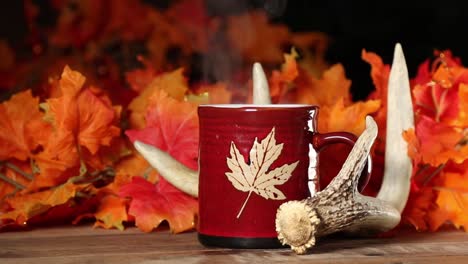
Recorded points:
173,83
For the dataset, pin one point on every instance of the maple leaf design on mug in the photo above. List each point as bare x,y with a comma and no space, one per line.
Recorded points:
255,177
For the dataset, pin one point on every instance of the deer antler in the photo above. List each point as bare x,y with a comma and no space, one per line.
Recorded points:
340,207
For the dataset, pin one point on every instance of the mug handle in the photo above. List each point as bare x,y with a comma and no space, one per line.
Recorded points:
321,141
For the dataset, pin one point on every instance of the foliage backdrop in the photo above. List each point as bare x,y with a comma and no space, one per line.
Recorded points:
82,87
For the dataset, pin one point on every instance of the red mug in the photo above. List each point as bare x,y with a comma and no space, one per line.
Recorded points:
253,158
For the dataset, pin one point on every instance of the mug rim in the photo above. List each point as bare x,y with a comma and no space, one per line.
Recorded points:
257,106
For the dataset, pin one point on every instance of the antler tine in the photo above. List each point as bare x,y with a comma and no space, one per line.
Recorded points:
400,117
173,171
261,90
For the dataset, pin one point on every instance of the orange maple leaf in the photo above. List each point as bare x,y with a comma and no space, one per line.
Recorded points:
13,174
173,83
22,129
281,80
462,119
439,142
151,204
26,206
111,213
452,200
107,156
380,73
81,122
327,90
413,145
350,118
61,152
449,72
96,122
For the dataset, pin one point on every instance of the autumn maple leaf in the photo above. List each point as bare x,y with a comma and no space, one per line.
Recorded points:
341,117
173,83
453,198
435,101
130,166
254,177
171,126
439,142
15,175
151,204
325,91
462,120
380,73
26,206
80,120
281,80
112,212
21,126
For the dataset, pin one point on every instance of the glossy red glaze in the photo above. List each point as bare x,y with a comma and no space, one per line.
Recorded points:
220,202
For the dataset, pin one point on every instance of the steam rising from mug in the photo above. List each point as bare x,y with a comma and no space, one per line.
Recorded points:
217,65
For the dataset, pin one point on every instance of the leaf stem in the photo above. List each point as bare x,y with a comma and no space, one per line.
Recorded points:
434,173
245,202
18,170
436,106
12,182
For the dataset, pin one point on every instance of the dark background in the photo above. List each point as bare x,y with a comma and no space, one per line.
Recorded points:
420,26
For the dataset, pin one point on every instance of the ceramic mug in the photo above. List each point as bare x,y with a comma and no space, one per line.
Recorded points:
253,158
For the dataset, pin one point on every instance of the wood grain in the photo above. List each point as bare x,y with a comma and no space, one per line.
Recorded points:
83,244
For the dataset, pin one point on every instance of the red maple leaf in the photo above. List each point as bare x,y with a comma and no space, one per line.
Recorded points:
439,142
152,204
436,102
172,126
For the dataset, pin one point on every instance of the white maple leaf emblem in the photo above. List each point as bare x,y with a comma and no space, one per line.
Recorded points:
256,176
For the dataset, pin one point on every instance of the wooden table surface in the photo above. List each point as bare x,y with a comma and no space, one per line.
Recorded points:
83,244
